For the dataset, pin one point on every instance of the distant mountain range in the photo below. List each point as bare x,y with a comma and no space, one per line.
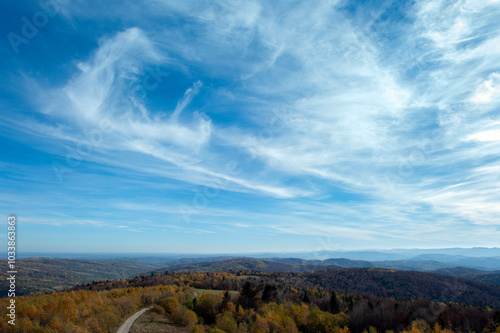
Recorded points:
48,274
370,255
453,254
427,262
302,265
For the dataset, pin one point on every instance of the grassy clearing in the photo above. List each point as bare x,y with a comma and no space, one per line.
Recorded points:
215,292
248,276
155,323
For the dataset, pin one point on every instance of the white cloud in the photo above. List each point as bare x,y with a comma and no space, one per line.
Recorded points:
358,108
488,90
486,136
108,79
104,89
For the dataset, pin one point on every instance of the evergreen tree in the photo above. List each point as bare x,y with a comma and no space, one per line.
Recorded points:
334,303
247,296
305,296
496,317
225,300
270,293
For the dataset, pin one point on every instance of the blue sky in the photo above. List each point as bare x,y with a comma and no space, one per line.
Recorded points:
248,126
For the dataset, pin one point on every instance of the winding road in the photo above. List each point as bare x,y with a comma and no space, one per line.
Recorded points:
127,325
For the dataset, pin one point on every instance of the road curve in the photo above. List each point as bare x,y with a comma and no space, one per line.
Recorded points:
127,325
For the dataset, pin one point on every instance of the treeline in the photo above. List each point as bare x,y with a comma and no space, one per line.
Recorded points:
262,308
216,313
355,281
81,311
270,302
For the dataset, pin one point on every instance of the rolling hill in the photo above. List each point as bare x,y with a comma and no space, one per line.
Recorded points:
50,274
471,274
46,275
406,284
241,264
373,281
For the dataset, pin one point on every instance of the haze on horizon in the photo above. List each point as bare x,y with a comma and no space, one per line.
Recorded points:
249,126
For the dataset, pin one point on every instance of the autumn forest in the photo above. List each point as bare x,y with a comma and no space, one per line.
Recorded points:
237,302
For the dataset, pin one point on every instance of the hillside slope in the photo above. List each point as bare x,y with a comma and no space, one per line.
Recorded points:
240,264
377,282
406,284
47,275
471,274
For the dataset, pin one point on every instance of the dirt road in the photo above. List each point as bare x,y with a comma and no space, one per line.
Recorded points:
127,325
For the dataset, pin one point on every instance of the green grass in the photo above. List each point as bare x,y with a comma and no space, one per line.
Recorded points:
215,292
248,276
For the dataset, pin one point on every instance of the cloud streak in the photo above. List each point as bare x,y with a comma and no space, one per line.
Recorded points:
377,117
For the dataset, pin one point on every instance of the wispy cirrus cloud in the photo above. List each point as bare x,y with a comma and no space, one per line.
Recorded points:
105,89
340,117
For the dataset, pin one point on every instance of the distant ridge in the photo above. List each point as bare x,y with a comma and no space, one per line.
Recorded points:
405,284
368,255
49,274
240,264
377,282
303,265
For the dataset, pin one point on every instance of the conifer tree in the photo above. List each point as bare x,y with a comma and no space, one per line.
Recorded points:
334,303
247,296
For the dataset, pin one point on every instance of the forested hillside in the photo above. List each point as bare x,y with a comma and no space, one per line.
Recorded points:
406,284
235,265
240,303
370,281
46,275
471,274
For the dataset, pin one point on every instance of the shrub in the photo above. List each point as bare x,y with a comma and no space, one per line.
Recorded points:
170,304
226,323
198,329
158,309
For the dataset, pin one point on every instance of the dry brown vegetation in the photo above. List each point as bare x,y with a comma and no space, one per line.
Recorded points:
260,303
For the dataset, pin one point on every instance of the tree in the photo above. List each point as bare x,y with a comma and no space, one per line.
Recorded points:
198,329
247,296
242,328
305,297
270,293
225,300
170,304
187,318
227,323
334,303
260,326
206,307
496,317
